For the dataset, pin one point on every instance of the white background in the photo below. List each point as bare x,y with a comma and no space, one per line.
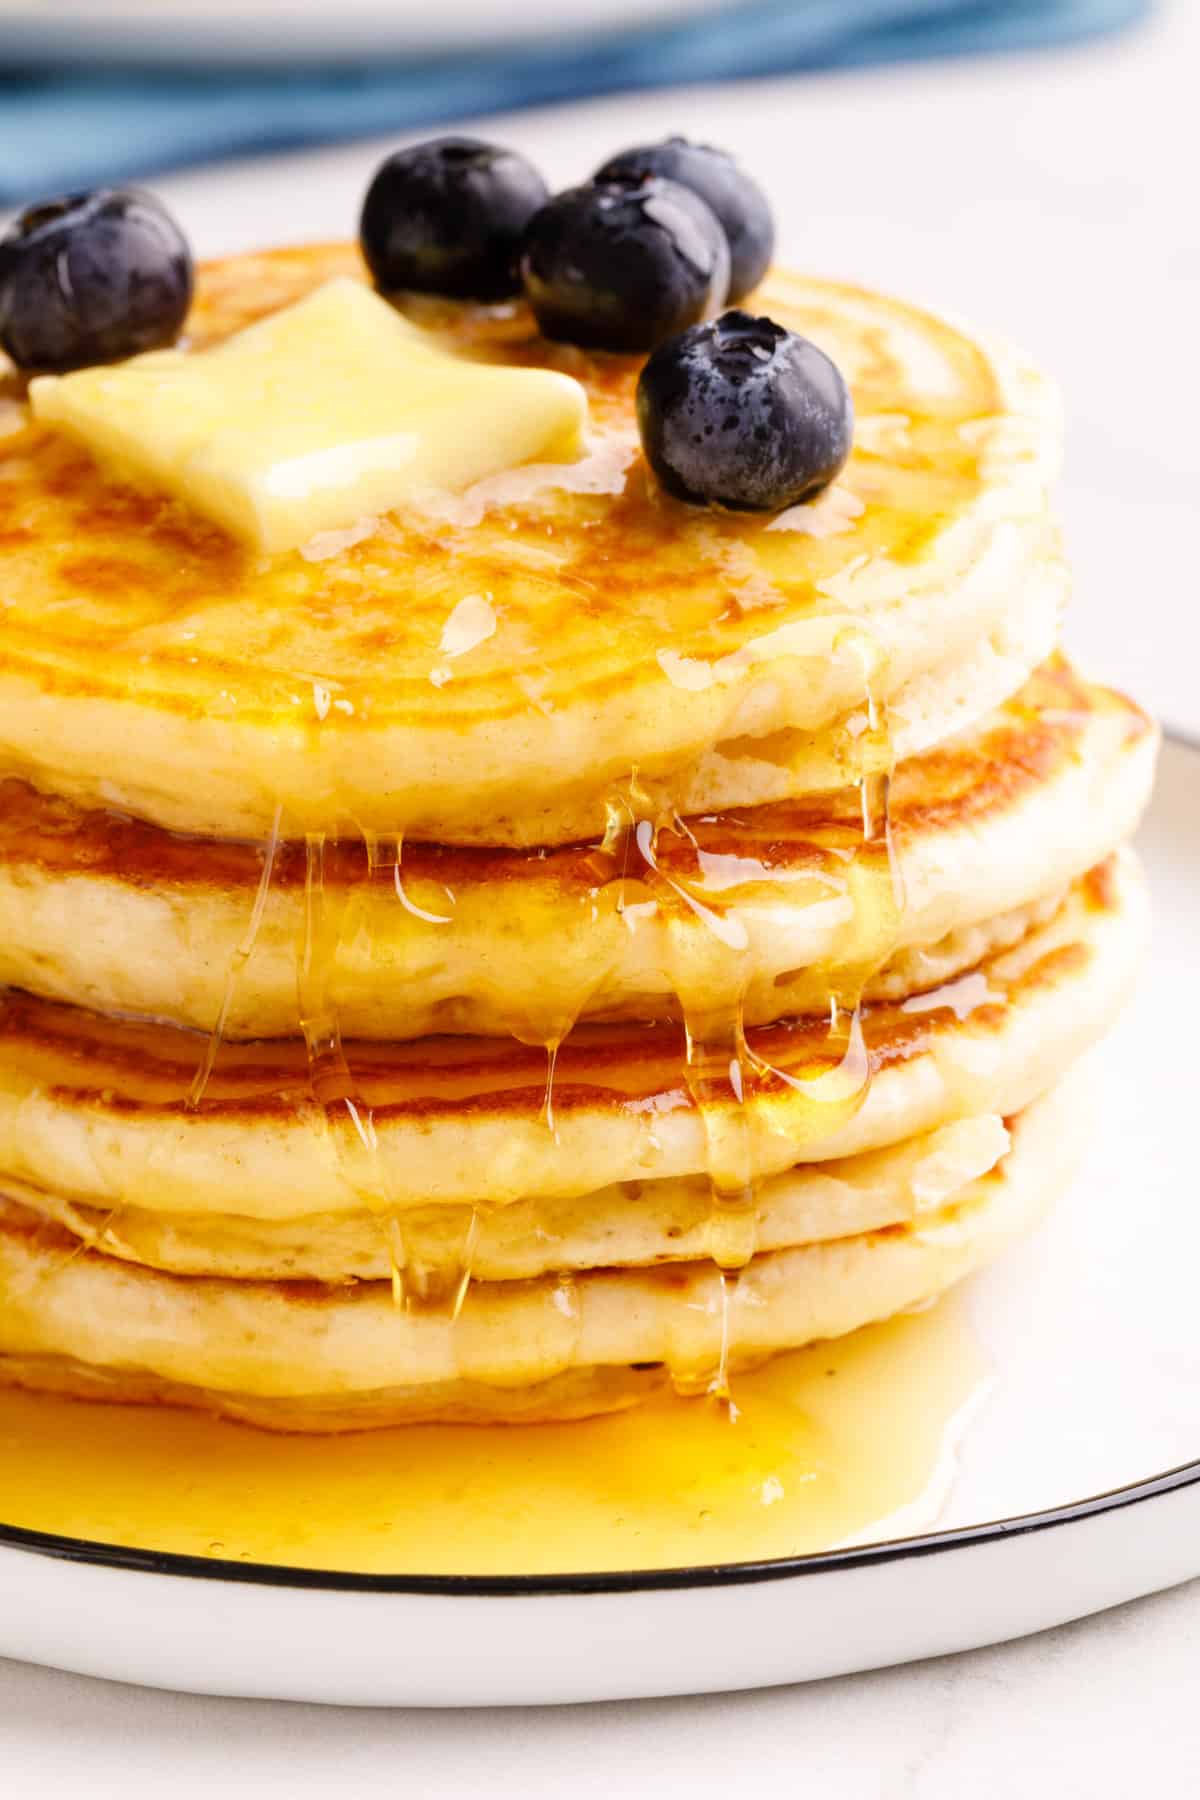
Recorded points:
1056,198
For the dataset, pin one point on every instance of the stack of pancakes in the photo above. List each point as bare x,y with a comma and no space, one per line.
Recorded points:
504,958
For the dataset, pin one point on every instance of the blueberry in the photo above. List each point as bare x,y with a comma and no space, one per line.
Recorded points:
736,198
92,278
742,413
620,265
447,217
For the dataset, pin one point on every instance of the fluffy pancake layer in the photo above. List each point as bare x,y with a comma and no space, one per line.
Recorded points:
632,1226
149,663
773,907
297,1356
100,1110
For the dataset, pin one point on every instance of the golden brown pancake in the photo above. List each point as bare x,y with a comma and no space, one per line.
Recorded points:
149,662
104,1110
300,1356
635,1225
773,907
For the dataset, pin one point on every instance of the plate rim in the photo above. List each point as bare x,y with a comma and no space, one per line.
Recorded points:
129,1559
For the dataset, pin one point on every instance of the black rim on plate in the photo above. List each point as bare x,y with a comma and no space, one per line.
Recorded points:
162,1562
782,1568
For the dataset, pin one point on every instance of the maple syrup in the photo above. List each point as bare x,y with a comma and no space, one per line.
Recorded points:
845,1440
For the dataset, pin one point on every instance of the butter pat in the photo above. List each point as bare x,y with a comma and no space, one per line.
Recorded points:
330,410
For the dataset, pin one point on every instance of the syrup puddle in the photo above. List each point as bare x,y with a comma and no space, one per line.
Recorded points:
849,1440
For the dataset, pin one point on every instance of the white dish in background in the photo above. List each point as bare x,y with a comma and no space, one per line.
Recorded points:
1079,1484
291,31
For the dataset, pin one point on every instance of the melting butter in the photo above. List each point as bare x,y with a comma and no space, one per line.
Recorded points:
332,410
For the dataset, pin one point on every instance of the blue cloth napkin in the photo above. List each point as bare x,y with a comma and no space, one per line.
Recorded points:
60,130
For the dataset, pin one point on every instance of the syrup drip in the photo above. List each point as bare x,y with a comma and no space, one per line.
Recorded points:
396,1259
566,1306
413,1285
333,913
875,786
355,1152
462,1281
323,920
552,1049
241,957
718,1070
426,916
715,1069
724,1075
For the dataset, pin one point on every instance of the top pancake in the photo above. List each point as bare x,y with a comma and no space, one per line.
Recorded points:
149,662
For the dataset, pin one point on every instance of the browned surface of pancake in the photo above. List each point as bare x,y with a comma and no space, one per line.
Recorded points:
148,661
127,1066
963,784
131,563
132,560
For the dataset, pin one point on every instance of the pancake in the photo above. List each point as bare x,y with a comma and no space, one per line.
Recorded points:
150,663
632,1226
775,905
298,1356
948,698
101,1110
687,963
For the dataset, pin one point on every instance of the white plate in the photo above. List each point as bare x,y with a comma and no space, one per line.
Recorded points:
1079,1485
291,31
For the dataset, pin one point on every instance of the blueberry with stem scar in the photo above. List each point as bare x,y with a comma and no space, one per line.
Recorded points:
92,278
447,217
743,414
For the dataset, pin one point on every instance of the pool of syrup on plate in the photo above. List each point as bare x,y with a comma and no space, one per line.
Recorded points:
848,1440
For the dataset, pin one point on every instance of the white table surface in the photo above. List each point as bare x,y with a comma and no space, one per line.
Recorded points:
1054,198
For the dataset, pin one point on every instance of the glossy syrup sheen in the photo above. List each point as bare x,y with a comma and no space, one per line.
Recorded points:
154,601
842,1440
205,932
718,857
125,1065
